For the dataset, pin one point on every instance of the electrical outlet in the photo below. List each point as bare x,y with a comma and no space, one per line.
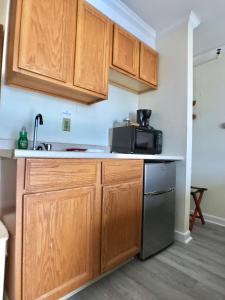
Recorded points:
66,124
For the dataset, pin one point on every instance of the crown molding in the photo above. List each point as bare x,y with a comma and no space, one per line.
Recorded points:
193,20
190,20
121,14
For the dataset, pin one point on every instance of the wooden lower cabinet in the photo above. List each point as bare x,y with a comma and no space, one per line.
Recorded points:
65,233
57,242
121,223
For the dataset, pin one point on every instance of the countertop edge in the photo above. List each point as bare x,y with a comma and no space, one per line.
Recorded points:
85,155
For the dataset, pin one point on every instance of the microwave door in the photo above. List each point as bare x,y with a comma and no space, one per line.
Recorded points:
145,141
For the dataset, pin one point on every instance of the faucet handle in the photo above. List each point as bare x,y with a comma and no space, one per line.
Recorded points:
48,147
45,146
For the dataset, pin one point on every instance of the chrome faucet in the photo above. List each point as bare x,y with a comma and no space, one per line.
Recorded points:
38,120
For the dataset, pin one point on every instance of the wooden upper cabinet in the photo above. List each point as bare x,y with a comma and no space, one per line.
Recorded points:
92,49
47,37
48,53
64,48
121,223
125,51
57,242
133,65
148,65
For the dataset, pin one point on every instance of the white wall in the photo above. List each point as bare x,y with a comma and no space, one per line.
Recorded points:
209,35
208,137
90,124
3,4
172,110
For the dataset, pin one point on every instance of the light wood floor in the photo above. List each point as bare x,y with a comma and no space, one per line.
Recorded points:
182,272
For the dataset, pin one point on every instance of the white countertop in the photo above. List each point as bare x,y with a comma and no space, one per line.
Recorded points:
71,154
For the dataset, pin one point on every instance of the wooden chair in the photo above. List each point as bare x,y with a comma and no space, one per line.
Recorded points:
197,194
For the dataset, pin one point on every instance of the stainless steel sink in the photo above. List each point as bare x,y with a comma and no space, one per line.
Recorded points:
44,147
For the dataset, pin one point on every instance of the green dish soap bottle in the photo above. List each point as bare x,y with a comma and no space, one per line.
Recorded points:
23,141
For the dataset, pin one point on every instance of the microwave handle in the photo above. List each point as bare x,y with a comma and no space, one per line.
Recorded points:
133,139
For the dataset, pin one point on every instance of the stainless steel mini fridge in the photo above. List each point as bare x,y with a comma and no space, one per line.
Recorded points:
158,207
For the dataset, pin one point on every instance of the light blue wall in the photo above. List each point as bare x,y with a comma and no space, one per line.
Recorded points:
89,124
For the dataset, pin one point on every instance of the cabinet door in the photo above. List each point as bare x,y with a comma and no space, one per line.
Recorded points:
121,223
57,242
47,37
1,48
125,51
149,65
92,49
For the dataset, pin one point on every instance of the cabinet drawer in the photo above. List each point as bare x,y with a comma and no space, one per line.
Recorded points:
50,174
117,171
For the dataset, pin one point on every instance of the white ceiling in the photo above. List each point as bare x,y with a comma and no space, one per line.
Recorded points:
164,14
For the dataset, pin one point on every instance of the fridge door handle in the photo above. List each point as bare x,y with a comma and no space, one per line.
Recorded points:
159,193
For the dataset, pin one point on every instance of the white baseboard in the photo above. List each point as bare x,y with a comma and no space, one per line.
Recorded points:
214,220
183,237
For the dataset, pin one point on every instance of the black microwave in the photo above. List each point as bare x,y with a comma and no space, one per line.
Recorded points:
132,139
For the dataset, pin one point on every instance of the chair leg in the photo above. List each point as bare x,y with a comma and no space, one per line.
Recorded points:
197,203
197,212
193,219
